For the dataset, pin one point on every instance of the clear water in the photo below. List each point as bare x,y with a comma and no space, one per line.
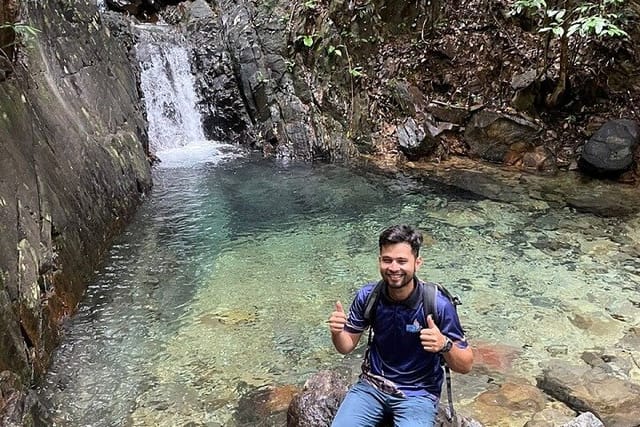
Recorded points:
223,283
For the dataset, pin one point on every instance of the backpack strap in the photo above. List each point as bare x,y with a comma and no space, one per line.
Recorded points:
370,308
429,301
430,295
372,299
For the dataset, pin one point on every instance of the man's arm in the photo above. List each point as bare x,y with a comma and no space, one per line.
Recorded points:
458,358
343,341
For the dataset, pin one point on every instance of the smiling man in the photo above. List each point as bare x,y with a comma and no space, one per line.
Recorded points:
402,369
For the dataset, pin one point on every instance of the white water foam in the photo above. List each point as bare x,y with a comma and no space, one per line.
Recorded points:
176,136
197,153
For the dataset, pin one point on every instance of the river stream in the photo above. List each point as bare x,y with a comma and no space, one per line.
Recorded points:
224,281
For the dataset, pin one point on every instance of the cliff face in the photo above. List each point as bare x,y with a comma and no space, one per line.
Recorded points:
72,169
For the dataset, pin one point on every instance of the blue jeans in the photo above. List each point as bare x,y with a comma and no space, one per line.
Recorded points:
366,406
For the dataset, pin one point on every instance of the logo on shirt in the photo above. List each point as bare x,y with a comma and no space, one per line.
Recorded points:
413,328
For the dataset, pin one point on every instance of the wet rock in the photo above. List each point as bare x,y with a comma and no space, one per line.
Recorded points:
319,400
73,141
611,149
265,405
510,400
613,400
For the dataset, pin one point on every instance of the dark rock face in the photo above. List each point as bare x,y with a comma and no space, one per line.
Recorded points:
18,405
247,89
611,149
490,134
224,116
72,169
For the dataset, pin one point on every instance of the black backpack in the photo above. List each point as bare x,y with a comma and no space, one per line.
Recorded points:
429,298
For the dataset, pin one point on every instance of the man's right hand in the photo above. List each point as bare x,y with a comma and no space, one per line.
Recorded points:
338,319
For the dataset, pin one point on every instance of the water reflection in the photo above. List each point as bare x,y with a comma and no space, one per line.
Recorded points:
222,285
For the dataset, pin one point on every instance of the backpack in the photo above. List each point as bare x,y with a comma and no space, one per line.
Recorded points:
429,301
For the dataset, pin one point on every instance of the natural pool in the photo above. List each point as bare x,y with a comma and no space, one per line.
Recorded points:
223,283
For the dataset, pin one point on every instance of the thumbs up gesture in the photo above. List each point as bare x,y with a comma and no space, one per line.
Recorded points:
338,319
431,338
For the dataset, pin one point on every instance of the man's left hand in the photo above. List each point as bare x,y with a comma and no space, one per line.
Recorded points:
431,338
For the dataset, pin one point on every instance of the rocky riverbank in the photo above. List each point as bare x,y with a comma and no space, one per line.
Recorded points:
73,168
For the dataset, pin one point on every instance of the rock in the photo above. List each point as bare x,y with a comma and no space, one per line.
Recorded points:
586,419
318,402
514,400
18,405
554,414
73,139
264,405
490,134
493,357
613,400
449,113
528,94
610,151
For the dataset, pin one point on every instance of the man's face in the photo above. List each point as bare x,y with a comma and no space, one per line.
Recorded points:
398,264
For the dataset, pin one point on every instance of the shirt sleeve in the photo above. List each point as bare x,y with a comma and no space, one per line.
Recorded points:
449,322
356,322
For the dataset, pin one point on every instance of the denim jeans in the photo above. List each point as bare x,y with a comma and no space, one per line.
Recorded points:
366,406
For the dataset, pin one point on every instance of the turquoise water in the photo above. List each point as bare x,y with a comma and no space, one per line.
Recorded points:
222,285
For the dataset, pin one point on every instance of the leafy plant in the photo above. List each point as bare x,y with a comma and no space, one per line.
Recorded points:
307,39
571,22
24,32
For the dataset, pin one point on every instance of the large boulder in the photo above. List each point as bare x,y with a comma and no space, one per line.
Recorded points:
490,134
318,402
608,395
611,149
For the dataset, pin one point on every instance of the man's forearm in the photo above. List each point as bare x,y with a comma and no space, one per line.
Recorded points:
344,341
459,359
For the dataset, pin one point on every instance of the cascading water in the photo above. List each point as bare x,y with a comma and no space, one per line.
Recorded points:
175,129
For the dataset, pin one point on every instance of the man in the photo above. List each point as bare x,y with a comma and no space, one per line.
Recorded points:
401,372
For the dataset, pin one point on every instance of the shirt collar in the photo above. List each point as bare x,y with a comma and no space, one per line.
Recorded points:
412,301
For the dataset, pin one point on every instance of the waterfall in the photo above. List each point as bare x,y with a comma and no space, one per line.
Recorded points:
168,89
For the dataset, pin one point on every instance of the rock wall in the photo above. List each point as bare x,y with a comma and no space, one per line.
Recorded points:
73,167
249,91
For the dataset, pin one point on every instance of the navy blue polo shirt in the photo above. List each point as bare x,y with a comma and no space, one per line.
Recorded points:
396,352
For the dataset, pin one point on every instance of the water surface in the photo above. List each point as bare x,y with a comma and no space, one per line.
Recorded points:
223,283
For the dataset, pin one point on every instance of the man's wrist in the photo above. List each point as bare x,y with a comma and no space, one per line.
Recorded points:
446,347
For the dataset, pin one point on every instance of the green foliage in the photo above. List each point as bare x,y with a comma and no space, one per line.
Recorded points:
581,18
311,4
307,39
573,23
356,71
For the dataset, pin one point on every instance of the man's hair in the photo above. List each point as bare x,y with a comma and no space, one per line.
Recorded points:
401,234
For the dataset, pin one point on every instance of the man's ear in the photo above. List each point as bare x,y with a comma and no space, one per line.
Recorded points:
418,262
